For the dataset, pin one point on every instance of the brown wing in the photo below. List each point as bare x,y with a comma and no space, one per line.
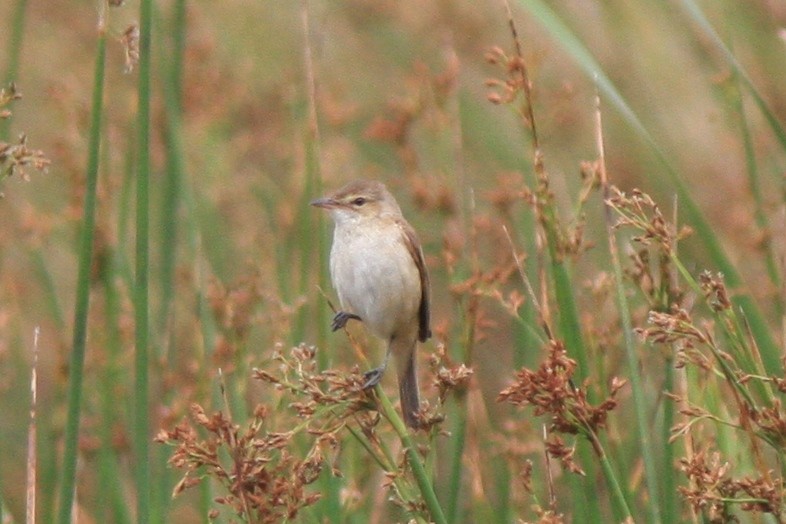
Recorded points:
424,313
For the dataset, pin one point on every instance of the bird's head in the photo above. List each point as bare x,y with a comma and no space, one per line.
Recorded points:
359,200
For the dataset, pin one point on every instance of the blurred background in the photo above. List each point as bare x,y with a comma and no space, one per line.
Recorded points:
400,95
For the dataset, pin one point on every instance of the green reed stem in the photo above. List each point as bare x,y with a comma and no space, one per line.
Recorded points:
111,488
175,163
141,429
424,483
585,504
311,226
619,504
170,207
463,352
77,361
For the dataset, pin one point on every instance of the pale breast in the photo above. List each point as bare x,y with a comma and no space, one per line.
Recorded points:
376,278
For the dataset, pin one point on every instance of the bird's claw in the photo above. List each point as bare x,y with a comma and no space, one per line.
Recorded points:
372,377
341,319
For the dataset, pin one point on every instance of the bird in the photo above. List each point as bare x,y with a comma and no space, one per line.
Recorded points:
380,276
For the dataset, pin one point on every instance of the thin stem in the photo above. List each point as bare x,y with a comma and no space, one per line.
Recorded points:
425,485
77,361
141,286
639,399
620,505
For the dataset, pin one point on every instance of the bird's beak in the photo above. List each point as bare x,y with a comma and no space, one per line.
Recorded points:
326,203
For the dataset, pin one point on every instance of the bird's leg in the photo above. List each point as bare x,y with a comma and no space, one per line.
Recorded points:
373,376
341,319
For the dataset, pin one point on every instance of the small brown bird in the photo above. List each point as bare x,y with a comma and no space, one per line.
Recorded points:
377,268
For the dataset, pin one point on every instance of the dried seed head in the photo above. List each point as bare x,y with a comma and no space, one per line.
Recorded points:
550,390
130,42
715,292
14,158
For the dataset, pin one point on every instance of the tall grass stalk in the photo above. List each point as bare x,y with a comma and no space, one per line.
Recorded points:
467,308
141,423
639,399
204,350
12,71
110,474
170,206
385,458
313,239
413,458
619,504
585,504
81,309
569,324
464,350
175,167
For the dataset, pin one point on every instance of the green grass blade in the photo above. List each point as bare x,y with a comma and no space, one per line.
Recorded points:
141,424
68,482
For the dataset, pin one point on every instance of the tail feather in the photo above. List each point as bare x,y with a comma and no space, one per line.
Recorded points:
408,388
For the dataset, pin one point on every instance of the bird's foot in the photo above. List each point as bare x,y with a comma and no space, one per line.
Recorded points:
373,377
341,319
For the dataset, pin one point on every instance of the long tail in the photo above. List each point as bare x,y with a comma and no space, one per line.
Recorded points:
406,369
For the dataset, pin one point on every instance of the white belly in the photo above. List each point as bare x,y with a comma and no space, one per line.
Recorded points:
377,279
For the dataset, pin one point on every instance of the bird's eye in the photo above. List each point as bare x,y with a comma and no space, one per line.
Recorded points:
359,201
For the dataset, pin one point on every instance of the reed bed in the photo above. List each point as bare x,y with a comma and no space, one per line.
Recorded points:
599,190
